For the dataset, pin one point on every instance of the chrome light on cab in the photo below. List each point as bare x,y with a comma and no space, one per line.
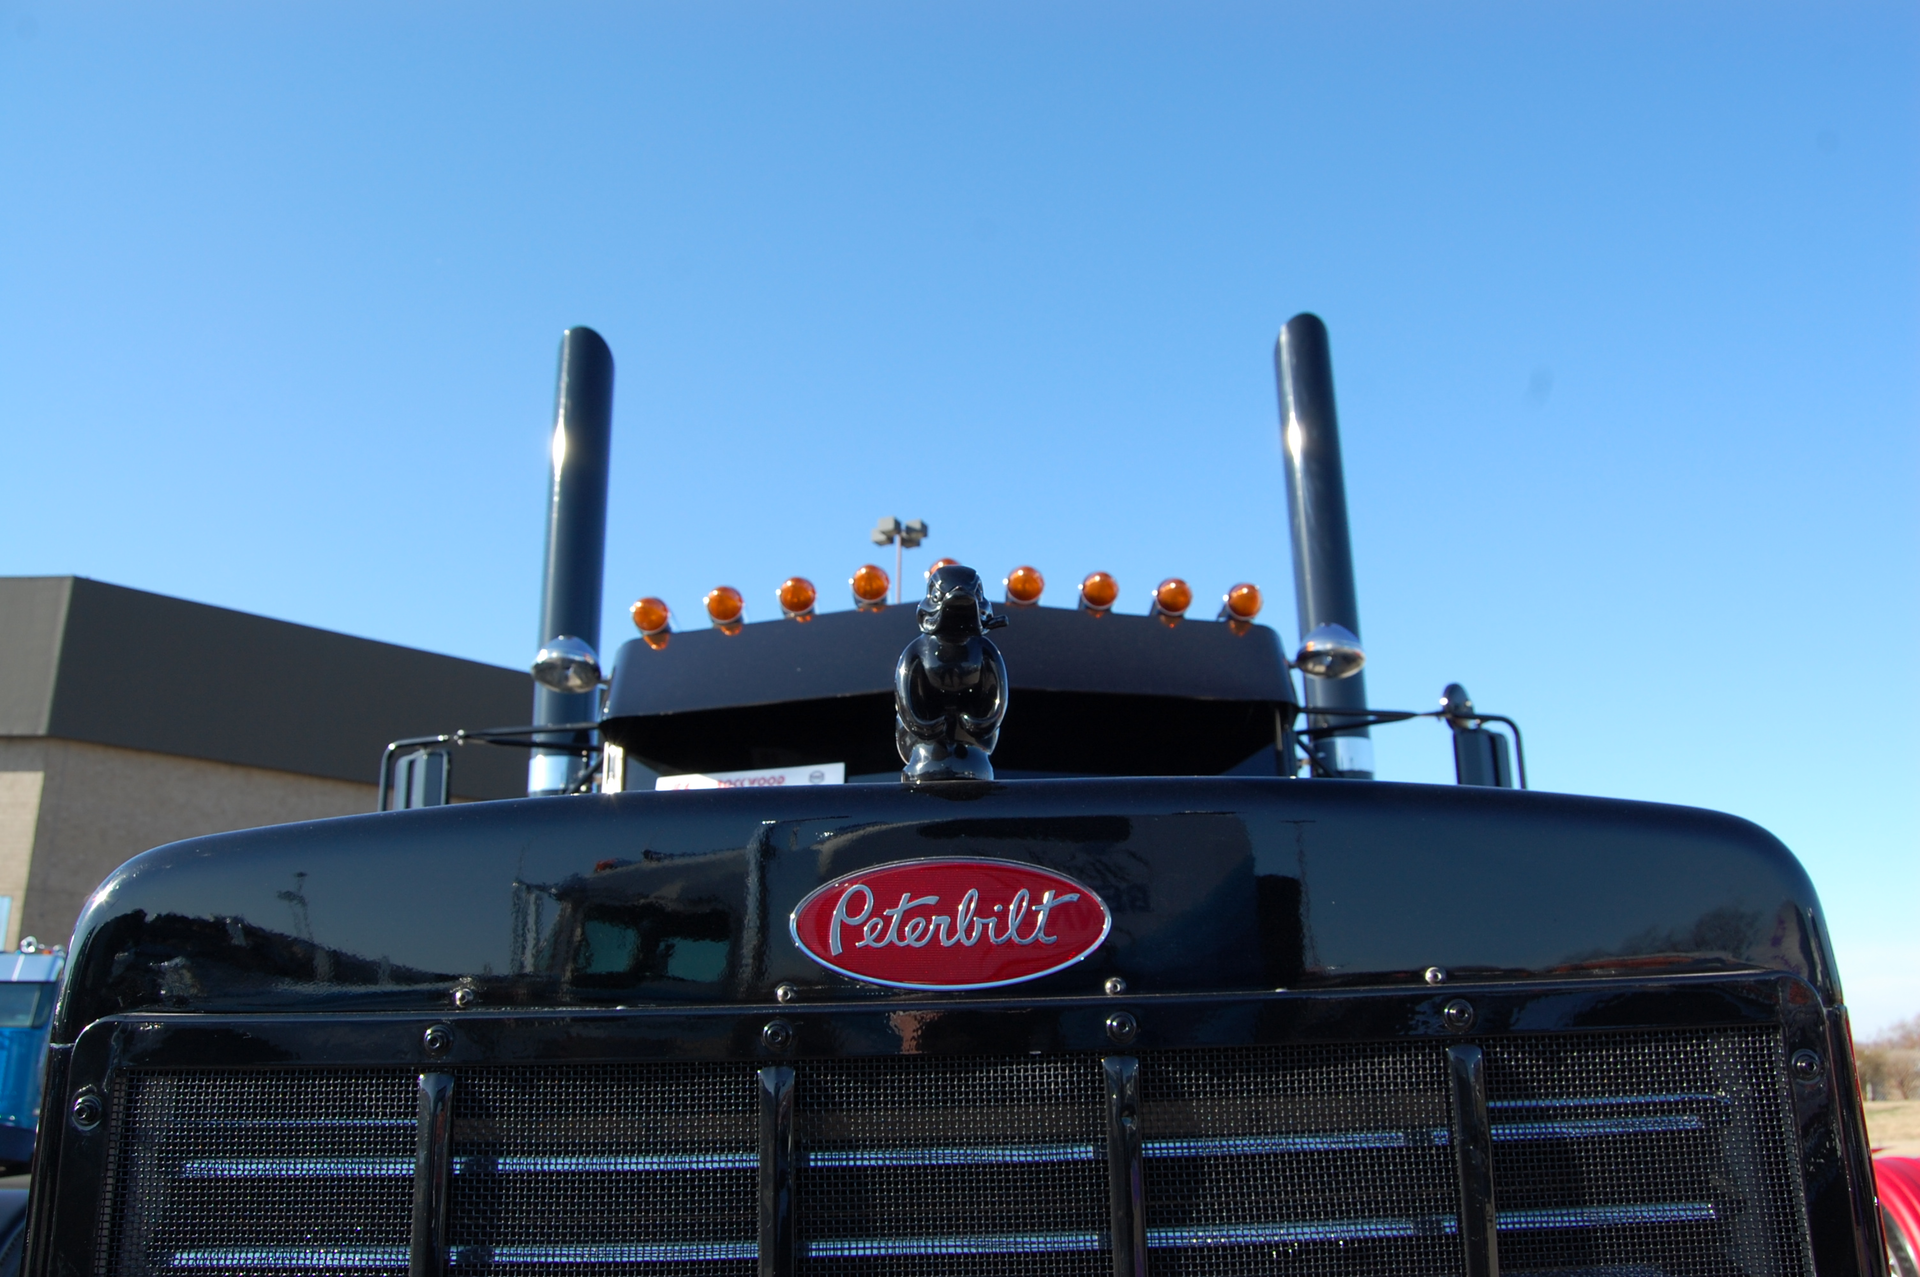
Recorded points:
568,665
1330,651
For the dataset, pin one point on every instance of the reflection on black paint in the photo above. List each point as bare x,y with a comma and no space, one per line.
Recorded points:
640,898
174,961
1283,932
1084,830
617,946
626,925
1179,886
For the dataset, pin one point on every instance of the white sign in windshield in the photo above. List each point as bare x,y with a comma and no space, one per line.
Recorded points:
759,778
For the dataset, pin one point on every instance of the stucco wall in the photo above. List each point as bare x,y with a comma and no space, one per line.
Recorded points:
70,813
19,818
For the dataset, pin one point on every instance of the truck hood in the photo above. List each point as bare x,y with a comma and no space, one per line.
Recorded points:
1213,885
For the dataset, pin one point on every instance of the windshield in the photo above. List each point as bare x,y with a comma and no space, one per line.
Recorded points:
25,1006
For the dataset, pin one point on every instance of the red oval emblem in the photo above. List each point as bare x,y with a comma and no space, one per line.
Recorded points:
950,924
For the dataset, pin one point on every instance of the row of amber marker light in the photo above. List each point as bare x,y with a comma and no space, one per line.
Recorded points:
727,607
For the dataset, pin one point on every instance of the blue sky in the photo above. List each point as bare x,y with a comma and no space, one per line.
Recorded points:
1623,301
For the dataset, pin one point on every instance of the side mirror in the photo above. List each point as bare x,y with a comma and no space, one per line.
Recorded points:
1330,651
567,664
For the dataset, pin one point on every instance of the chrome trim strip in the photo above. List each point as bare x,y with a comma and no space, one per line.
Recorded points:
1607,1216
621,1164
651,1253
292,1257
1510,1132
1320,1230
298,1168
1601,1101
984,1244
987,1155
1257,1145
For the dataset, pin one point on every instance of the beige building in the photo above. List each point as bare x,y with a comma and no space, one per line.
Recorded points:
128,720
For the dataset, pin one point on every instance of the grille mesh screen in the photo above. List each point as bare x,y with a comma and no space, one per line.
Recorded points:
1667,1153
282,1173
604,1169
1328,1160
1615,1155
952,1166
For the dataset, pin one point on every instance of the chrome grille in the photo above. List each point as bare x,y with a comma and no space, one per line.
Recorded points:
603,1169
282,1173
1615,1155
1330,1159
1664,1152
954,1166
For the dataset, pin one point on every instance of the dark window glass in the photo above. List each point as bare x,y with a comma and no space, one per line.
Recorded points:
25,1006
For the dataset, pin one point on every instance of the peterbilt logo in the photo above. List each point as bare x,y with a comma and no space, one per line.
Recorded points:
950,924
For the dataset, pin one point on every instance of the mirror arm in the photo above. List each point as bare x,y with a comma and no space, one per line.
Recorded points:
1376,717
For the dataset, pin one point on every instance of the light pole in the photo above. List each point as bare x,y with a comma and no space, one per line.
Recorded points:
902,537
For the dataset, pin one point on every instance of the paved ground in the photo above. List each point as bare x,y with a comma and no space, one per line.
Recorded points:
1893,1126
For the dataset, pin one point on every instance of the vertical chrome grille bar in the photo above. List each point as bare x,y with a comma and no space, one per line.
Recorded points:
432,1166
1126,1178
777,1161
1473,1152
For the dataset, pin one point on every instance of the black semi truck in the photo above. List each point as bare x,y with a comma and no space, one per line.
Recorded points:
1133,969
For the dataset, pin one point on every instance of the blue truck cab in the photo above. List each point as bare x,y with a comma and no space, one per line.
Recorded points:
29,985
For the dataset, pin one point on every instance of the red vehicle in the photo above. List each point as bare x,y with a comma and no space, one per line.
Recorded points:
1899,1184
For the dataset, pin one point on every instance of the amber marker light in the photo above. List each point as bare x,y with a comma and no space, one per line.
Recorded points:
937,564
1241,603
650,615
870,585
1024,585
796,595
1098,592
1171,599
725,605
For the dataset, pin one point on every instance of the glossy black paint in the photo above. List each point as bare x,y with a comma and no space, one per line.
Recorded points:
76,1166
46,1158
433,1167
779,1159
1839,1088
950,684
1215,885
1317,509
1099,694
1480,758
929,1026
1473,1152
13,1223
1126,1167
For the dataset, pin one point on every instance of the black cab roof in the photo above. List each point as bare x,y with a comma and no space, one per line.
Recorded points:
1093,694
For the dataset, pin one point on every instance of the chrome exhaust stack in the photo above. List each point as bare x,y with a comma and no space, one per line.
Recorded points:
576,560
1322,549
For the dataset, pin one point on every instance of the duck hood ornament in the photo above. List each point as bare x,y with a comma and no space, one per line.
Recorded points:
950,685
